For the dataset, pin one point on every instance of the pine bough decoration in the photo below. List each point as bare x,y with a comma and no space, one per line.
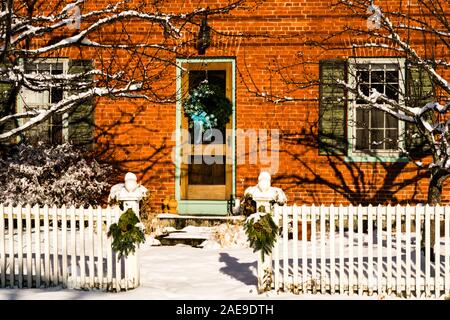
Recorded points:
262,232
207,107
126,234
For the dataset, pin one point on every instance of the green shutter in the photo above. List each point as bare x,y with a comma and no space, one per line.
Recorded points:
81,118
420,91
332,108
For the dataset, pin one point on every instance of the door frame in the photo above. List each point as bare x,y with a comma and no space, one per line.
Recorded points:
203,207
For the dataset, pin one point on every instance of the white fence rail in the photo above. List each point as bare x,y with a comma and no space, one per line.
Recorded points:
50,246
362,249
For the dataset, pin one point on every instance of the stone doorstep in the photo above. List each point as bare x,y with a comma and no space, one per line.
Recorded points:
188,237
193,237
181,221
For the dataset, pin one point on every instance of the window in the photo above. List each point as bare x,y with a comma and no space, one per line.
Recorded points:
52,130
373,132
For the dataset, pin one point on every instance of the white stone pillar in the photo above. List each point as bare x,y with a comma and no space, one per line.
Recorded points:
130,200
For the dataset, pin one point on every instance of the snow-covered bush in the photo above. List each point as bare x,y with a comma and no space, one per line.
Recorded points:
53,175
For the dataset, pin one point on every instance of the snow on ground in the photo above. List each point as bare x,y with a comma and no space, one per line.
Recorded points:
181,272
184,272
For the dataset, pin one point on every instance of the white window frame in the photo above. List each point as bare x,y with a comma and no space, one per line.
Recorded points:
23,91
379,155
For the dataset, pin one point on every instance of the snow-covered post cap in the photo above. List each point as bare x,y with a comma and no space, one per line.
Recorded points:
129,192
263,193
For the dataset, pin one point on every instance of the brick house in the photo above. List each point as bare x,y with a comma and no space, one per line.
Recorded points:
330,149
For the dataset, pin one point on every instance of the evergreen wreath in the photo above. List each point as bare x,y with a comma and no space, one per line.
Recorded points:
262,232
208,105
126,233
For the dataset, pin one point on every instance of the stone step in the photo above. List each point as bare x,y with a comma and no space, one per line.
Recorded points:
190,235
181,221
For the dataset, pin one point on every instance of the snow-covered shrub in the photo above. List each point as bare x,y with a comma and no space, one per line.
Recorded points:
227,235
53,175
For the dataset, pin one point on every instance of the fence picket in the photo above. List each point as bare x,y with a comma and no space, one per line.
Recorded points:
12,269
55,278
91,246
370,211
82,250
118,275
73,247
437,257
332,244
276,251
427,251
350,248
408,283
100,247
19,244
29,246
447,249
304,252
323,275
46,247
37,256
360,250
341,250
285,249
389,249
295,247
398,249
381,212
313,243
418,268
2,248
64,245
109,271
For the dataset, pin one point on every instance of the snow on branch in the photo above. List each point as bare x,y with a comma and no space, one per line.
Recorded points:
68,103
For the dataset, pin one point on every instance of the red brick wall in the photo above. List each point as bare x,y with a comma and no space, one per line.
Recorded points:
138,134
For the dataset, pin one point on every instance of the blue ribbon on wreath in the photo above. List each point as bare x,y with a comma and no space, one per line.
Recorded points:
201,121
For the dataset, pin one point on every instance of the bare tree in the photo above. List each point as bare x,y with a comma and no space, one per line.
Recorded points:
415,33
393,31
123,50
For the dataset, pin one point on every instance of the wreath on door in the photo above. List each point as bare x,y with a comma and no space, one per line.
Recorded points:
207,107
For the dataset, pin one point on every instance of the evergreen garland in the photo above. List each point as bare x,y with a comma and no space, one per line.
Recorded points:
126,234
262,232
208,105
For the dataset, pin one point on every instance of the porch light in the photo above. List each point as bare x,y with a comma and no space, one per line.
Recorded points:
204,36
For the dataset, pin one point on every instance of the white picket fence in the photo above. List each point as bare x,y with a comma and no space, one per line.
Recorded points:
50,246
340,258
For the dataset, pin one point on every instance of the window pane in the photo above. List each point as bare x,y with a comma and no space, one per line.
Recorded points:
391,121
379,87
392,91
30,67
377,119
392,139
44,68
365,90
377,76
377,139
392,76
362,76
362,139
57,68
57,95
362,118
